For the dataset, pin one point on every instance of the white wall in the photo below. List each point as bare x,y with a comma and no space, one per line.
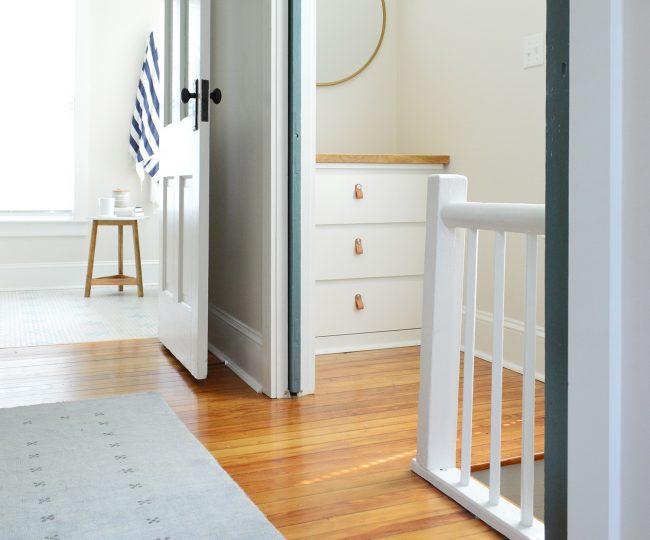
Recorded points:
112,39
359,116
236,161
460,89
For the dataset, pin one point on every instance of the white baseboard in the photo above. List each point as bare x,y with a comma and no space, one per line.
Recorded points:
513,342
230,363
237,345
44,227
512,366
70,275
365,342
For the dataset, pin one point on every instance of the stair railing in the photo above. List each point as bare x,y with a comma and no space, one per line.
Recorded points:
451,220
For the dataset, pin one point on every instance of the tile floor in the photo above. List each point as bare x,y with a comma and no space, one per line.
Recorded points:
52,317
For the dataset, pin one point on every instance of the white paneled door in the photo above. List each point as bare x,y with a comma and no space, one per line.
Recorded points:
184,163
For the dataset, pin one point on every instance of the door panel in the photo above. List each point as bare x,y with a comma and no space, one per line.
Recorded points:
183,304
188,236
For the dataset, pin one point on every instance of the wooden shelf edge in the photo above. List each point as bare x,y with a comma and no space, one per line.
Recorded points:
505,462
383,159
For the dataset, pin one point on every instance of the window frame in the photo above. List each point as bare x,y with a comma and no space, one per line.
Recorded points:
74,222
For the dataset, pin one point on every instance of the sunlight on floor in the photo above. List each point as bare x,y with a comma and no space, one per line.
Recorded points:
349,470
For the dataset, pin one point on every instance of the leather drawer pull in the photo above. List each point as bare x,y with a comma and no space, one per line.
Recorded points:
358,302
358,246
358,191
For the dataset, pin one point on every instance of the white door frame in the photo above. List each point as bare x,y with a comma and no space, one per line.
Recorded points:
595,276
275,271
595,257
308,174
275,287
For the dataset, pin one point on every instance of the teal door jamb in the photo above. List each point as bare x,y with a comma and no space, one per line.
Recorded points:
557,268
295,116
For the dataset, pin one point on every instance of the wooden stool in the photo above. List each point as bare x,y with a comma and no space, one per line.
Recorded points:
119,279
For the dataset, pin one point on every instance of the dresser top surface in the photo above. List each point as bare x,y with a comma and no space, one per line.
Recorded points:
383,159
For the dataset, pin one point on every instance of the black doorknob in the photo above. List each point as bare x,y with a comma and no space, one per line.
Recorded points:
186,95
215,96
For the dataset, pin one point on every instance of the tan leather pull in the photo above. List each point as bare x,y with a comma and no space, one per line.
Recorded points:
358,246
358,302
358,191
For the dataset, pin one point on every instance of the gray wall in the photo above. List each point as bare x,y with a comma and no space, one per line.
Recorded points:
237,175
237,161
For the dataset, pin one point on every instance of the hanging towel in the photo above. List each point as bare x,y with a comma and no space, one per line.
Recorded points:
144,139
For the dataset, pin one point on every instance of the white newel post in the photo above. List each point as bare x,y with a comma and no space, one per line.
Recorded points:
441,327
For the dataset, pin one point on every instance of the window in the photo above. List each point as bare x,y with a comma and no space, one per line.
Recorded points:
37,59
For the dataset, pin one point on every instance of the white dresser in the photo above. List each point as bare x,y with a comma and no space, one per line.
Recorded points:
368,250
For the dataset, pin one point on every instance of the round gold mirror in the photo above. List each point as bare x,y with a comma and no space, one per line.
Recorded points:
349,36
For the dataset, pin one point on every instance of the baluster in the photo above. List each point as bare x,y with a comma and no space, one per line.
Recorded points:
468,363
528,425
497,365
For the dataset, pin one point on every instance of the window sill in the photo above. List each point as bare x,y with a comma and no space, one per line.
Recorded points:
34,226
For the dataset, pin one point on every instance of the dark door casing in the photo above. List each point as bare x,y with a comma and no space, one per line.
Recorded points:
557,268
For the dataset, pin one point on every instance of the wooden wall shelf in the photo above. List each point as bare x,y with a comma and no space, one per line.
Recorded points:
383,159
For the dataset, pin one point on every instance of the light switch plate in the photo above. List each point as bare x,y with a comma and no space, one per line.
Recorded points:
534,50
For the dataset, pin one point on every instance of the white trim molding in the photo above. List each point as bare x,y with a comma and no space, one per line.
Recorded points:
234,367
511,324
308,175
43,227
66,275
237,325
595,360
237,345
393,339
275,197
513,342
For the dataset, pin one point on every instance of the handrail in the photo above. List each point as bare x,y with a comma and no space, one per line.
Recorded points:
508,217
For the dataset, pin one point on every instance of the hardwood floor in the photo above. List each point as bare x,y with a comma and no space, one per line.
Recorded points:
333,465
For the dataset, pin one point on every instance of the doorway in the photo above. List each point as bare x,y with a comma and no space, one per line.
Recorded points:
78,155
552,111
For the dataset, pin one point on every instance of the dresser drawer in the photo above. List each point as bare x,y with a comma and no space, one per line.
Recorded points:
388,196
388,250
389,304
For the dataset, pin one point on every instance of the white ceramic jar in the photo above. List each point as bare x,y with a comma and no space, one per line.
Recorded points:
122,198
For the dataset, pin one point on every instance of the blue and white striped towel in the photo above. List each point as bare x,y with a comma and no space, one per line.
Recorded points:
145,124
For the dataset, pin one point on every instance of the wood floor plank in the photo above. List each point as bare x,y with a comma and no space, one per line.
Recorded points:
333,465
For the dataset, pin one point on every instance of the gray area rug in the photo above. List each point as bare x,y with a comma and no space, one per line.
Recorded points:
117,468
